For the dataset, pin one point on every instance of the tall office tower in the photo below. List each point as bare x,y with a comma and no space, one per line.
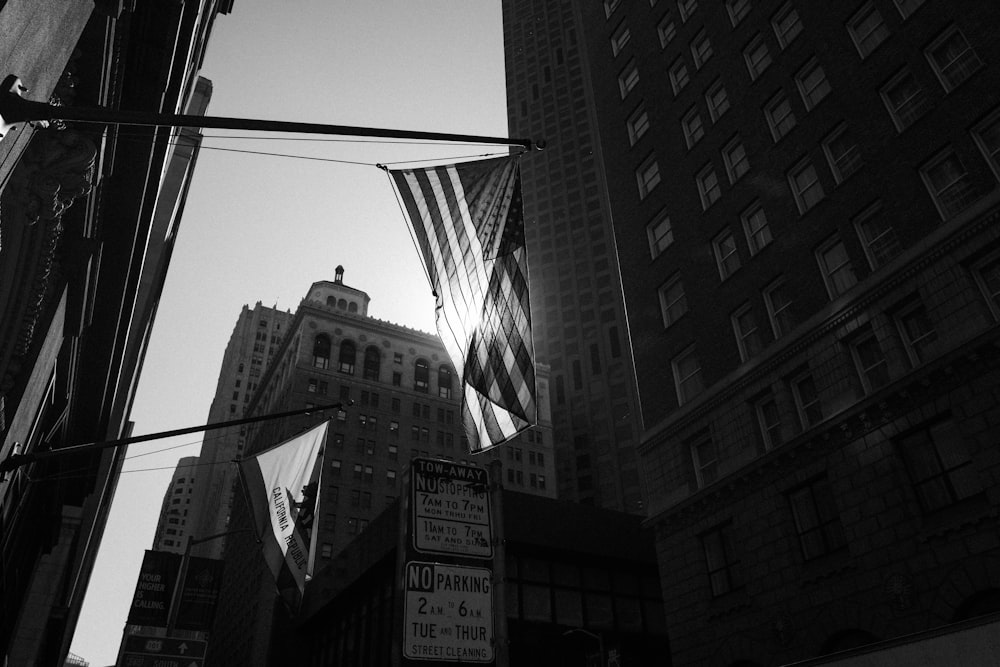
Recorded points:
401,399
256,336
579,323
173,529
805,203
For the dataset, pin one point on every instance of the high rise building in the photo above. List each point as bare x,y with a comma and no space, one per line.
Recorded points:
805,204
401,398
577,310
256,336
174,527
90,215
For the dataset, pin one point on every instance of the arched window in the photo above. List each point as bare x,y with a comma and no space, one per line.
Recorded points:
347,355
421,376
240,369
321,351
444,382
373,362
331,301
342,304
352,307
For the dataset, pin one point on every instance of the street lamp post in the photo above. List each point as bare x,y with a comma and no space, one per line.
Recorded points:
593,635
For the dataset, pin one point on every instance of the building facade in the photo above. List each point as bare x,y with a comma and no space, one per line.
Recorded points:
577,311
805,206
400,398
175,526
256,336
87,226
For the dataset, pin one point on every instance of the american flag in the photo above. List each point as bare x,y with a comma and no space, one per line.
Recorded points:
469,225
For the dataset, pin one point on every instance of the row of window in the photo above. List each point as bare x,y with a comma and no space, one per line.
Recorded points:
947,181
913,324
941,473
347,358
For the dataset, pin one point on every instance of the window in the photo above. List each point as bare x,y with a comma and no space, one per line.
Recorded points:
610,6
701,49
721,560
987,136
953,59
628,78
619,38
735,157
687,375
369,477
757,57
939,465
666,30
905,99
326,551
877,236
867,29
907,7
390,477
949,184
397,379
756,228
393,452
917,330
321,351
673,303
373,363
786,24
726,256
686,9
444,381
807,400
421,376
708,186
335,466
769,421
706,461
987,275
812,83
357,471
717,101
347,356
777,298
647,176
870,361
805,185
356,498
693,128
738,9
779,115
678,76
637,125
747,333
842,153
659,234
816,520
397,357
835,265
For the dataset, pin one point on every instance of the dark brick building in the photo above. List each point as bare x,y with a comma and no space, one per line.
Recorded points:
805,205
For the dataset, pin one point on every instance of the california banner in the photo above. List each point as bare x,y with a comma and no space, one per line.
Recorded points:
283,484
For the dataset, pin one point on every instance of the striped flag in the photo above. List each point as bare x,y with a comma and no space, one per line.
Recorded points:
469,225
283,485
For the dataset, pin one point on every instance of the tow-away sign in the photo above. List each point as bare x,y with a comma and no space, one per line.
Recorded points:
448,613
451,509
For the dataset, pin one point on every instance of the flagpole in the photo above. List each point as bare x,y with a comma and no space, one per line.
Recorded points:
15,109
15,461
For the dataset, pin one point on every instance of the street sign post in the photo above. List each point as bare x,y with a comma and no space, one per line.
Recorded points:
141,651
448,613
451,509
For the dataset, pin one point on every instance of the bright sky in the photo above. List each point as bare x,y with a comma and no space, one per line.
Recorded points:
265,228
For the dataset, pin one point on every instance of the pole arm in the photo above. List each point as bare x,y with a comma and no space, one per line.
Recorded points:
15,109
14,461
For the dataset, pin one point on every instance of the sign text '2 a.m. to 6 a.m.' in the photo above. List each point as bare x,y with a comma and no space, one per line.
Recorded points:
451,509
